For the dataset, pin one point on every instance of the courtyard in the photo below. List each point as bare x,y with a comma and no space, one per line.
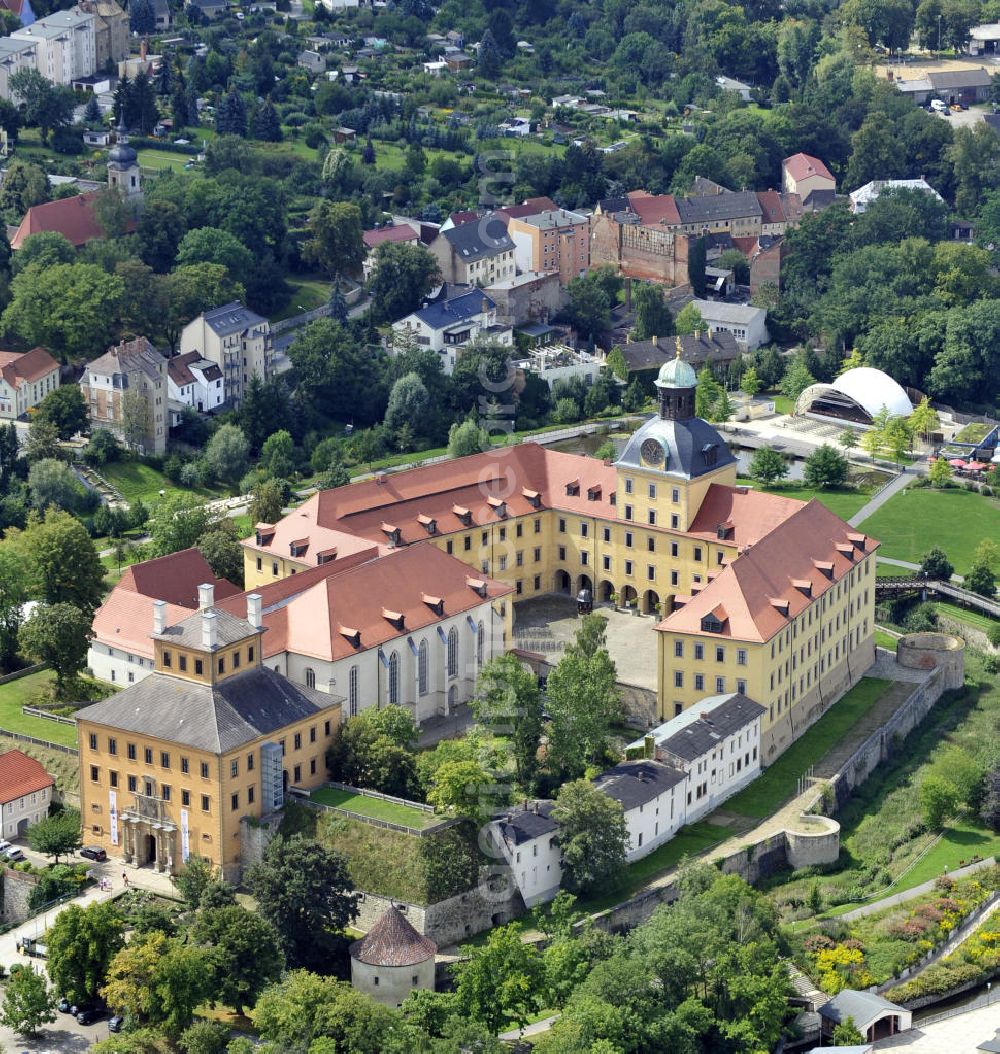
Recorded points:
546,624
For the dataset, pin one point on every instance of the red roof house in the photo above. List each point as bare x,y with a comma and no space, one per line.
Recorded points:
21,775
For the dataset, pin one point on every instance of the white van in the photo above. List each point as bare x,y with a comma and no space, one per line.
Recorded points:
939,106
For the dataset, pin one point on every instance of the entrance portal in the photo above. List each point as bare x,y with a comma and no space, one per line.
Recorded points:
150,854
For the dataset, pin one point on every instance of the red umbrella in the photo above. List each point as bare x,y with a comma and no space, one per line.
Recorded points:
977,466
957,462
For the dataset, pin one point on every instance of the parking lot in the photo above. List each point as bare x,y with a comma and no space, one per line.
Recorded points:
962,118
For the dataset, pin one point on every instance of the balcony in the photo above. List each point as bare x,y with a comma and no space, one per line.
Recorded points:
148,809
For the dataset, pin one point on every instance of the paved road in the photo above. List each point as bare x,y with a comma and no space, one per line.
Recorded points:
957,579
535,1029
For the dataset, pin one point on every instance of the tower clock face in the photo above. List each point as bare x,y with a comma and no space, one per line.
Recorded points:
652,452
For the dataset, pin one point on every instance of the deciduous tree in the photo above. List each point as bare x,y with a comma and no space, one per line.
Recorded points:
335,244
767,466
593,837
826,467
58,634
502,981
66,409
56,835
936,565
247,953
28,1002
81,943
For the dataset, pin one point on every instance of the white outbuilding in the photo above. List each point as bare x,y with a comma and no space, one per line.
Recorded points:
392,959
858,395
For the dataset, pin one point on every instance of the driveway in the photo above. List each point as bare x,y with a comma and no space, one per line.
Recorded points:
963,118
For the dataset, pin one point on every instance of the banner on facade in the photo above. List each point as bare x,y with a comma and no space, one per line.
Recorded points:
184,835
113,804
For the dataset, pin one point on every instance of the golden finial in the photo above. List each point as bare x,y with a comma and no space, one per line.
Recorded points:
679,349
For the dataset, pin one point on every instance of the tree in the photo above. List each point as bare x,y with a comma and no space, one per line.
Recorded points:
489,57
45,248
135,1041
707,394
71,309
466,437
617,365
987,552
796,379
231,115
502,981
462,787
277,456
159,980
652,317
267,502
221,548
335,244
981,579
408,405
13,595
938,800
872,440
205,1037
214,245
227,454
826,467
111,212
56,835
304,890
402,276
924,418
81,943
264,124
46,105
696,266
57,634
593,837
767,466
750,383
66,409
178,522
990,809
848,439
591,299
193,879
52,483
936,565
141,19
161,229
939,473
508,703
24,185
847,1034
247,953
28,1002
61,561
688,319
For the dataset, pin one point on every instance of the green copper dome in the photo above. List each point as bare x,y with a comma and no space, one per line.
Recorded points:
676,374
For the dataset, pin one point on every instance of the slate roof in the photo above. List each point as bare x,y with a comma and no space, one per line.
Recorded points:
188,633
129,357
864,1007
232,318
474,241
692,447
645,355
216,718
959,79
20,775
526,824
703,726
393,941
446,313
633,783
714,207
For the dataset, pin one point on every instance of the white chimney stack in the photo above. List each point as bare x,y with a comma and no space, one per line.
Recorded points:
209,630
159,616
206,596
253,610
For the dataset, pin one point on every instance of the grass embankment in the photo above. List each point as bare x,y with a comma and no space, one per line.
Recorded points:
138,481
376,808
777,783
307,294
26,691
917,519
960,614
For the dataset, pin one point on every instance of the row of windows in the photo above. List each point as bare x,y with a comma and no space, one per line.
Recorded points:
699,684
720,652
199,665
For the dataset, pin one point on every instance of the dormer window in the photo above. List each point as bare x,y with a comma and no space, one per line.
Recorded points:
351,635
780,604
858,541
499,506
463,514
594,493
573,488
534,498
264,533
298,547
803,585
396,618
428,523
710,452
846,550
714,620
724,530
392,533
825,567
436,604
326,556
477,585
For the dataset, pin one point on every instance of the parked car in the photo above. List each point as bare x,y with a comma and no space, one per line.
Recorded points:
64,1006
116,1024
14,852
4,845
94,852
89,1016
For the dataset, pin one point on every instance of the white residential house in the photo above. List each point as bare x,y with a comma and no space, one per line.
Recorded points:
450,323
237,340
747,324
653,799
195,381
437,68
517,127
525,837
557,362
26,791
864,196
15,55
733,85
25,379
716,743
480,252
66,45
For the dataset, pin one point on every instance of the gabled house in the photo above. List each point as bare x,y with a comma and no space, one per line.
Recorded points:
26,790
20,8
25,379
195,381
401,232
74,218
237,340
475,253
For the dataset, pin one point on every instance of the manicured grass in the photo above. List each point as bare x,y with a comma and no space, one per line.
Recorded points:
307,295
136,480
373,807
960,614
972,433
915,520
25,691
777,783
892,571
163,159
885,640
960,842
689,841
843,502
782,404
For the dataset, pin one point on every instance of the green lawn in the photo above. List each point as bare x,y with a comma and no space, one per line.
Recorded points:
915,520
843,502
689,841
885,640
374,807
307,294
24,691
960,614
777,783
782,404
892,571
138,481
163,159
958,843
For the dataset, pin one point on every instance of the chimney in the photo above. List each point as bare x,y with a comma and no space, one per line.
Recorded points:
159,616
209,630
649,746
253,610
206,595
653,338
143,46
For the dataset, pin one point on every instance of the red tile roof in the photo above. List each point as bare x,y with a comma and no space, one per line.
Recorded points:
777,577
393,941
402,233
175,578
19,368
800,166
74,218
654,208
771,206
749,514
20,775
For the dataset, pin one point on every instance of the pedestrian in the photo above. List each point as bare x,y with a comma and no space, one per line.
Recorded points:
18,946
125,879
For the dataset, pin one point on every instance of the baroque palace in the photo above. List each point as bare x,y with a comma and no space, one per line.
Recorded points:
397,590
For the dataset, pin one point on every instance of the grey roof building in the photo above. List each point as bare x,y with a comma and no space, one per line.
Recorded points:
709,347
528,822
634,783
874,1017
714,207
237,340
703,726
480,252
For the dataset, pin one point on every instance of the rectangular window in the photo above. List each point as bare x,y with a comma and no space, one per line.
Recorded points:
720,654
651,515
297,741
628,512
538,526
450,547
503,563
651,491
628,486
165,792
607,563
699,682
250,795
185,766
147,753
312,766
562,552
236,660
584,558
133,784
678,679
519,530
678,649
205,803
675,495
250,758
628,539
673,548
185,797
628,567
199,667
650,572
538,556
503,534
467,542
741,657
112,779
650,545
234,801
312,734
95,774
182,663
697,552
538,582
234,767
204,770
720,685
164,759
519,558
93,740
221,664
130,751
699,651
167,659
607,534
297,774
562,526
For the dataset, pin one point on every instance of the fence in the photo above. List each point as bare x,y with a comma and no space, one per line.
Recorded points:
21,738
18,674
373,821
323,311
988,998
35,711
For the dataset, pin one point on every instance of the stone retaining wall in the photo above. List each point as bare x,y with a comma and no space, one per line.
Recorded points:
17,887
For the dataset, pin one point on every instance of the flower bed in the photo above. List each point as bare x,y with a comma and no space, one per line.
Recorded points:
877,947
975,961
